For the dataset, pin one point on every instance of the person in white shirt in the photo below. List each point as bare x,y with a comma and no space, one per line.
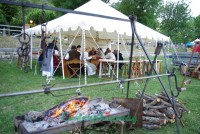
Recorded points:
91,68
110,55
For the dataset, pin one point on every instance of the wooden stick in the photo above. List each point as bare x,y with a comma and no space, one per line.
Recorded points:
157,107
153,120
151,127
150,113
169,112
154,102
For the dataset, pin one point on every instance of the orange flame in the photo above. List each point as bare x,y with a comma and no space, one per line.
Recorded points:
58,112
72,107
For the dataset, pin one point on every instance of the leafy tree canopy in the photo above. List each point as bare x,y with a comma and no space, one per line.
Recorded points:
176,21
145,10
197,26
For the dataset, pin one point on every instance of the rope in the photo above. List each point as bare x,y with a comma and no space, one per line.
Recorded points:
124,45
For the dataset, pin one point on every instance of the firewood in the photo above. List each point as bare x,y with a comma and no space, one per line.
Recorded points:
178,104
153,114
151,127
169,112
183,107
157,112
180,111
165,103
157,107
162,97
153,120
152,103
146,97
170,120
162,94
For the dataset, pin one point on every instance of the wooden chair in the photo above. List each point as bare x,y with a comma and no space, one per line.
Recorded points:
75,66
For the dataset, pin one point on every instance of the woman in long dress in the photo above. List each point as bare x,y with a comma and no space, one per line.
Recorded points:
91,68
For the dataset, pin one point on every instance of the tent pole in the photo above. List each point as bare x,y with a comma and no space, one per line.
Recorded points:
117,56
61,54
31,55
83,33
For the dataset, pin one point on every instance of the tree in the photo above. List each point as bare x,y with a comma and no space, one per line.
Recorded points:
197,27
70,4
145,10
36,16
176,21
7,12
2,18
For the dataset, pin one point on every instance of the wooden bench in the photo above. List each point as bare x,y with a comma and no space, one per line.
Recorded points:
183,58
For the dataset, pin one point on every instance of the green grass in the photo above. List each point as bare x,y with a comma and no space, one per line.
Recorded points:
13,79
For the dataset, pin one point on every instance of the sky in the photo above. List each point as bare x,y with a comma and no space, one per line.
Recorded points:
194,5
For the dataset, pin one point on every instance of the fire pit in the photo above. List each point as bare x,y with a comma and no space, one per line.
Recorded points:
69,115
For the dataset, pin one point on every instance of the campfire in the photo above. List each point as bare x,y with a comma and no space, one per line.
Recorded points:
68,115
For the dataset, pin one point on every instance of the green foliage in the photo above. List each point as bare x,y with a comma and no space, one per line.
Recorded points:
145,10
36,16
2,18
197,26
8,11
68,4
176,21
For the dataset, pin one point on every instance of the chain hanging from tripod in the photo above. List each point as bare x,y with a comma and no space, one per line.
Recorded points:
43,43
23,51
43,22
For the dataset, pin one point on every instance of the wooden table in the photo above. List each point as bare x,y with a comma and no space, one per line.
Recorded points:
146,64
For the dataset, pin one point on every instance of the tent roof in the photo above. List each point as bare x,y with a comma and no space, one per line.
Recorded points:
73,21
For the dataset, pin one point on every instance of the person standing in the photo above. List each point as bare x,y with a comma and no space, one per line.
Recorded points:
47,65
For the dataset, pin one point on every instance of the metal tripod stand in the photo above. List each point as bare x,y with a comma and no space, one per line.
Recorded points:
157,52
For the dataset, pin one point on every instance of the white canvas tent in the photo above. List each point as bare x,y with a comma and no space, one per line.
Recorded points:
69,23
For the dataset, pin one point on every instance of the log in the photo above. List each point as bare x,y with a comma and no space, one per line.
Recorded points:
157,107
170,120
153,120
165,103
161,122
169,112
178,104
154,102
146,97
162,97
153,114
183,107
163,93
151,127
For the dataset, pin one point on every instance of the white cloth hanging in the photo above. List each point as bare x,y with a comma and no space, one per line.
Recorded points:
91,68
